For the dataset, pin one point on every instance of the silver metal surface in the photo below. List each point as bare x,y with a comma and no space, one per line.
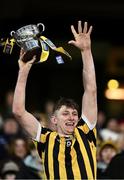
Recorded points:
27,36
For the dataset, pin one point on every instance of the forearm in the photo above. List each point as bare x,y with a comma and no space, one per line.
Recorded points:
88,72
89,100
19,95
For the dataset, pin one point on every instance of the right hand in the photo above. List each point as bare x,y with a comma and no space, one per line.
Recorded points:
25,65
82,37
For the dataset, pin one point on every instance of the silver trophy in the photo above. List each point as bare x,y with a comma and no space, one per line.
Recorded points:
27,37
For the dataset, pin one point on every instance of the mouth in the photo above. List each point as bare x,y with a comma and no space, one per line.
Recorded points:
70,124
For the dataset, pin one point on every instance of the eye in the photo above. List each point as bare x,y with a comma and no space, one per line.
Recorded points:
65,113
75,114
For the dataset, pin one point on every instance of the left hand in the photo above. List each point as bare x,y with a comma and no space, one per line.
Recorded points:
82,39
25,66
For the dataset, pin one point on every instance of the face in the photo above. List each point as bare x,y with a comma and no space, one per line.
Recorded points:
10,126
49,107
20,148
10,176
113,125
107,154
66,120
9,98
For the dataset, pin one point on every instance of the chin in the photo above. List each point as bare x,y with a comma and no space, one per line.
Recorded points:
70,131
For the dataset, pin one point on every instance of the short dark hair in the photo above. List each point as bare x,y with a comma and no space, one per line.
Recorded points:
65,102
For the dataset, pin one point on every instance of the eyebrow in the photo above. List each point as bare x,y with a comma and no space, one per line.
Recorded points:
69,111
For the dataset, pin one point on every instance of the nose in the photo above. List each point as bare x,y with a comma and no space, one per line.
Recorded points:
71,117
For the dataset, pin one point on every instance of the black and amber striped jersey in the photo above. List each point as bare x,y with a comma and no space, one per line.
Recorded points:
71,157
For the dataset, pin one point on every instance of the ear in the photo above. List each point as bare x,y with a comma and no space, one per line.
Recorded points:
54,119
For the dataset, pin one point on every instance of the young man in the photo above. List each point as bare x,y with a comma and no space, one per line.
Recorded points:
70,151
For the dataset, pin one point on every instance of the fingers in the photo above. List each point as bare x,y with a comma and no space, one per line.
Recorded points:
85,27
79,27
72,42
73,31
90,30
32,60
22,51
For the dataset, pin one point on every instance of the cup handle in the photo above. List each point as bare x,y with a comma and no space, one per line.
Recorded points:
12,33
41,24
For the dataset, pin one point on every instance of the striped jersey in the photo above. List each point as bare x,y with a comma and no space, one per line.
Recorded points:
71,157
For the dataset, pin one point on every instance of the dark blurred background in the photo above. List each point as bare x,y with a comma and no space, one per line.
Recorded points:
50,80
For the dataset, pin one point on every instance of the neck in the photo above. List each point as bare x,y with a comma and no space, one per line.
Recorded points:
65,135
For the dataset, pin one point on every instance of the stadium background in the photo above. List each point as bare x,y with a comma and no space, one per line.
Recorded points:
50,79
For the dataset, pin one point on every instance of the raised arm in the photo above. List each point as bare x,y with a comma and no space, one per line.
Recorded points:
26,119
89,99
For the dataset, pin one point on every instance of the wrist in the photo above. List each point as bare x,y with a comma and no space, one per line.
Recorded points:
22,72
22,76
88,49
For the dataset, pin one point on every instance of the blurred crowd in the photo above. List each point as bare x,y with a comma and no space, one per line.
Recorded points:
18,156
20,160
110,147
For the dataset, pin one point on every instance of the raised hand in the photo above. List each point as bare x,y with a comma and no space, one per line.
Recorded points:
82,38
25,65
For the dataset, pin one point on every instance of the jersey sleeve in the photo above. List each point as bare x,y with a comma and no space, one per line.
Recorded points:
41,139
42,133
87,127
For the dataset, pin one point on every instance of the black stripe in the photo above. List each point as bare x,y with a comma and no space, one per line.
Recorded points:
55,158
91,137
87,147
46,158
68,163
80,161
45,130
81,122
40,148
